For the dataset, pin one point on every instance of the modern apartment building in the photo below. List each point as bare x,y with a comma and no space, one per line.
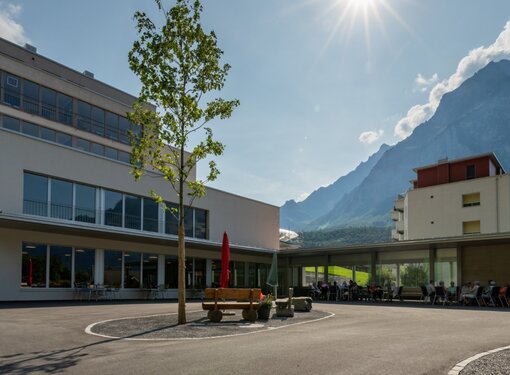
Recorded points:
71,213
454,198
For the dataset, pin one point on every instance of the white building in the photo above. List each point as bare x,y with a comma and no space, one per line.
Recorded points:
70,212
455,198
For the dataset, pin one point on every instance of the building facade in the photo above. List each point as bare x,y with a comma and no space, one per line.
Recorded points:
71,213
454,198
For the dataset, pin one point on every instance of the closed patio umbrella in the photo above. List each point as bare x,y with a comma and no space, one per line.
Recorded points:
225,262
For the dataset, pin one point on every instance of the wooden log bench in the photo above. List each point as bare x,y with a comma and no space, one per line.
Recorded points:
231,299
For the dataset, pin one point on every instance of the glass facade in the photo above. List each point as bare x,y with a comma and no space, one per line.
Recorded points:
35,194
132,212
84,265
85,204
171,271
60,266
61,199
113,268
113,208
33,269
150,215
38,100
132,270
64,139
150,271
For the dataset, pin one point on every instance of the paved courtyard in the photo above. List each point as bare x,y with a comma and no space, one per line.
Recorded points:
358,339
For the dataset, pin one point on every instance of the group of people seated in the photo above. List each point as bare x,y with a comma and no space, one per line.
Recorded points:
351,291
469,293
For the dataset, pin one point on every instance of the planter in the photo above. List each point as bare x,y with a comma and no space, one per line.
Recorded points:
264,312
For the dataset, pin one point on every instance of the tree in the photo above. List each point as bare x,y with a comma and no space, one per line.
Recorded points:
177,64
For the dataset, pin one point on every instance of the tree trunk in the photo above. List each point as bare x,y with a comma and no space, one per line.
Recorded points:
182,277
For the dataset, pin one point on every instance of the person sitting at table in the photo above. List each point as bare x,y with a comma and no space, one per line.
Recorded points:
375,291
452,292
502,292
471,295
431,290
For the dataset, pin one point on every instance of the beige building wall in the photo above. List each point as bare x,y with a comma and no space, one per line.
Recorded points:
483,263
438,211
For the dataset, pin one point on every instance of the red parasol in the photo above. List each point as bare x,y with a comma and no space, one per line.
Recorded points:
225,262
30,270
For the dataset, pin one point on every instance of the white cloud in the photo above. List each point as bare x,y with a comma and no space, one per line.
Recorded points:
370,136
469,65
423,84
10,29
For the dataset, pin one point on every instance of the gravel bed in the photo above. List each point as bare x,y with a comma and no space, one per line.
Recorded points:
161,327
492,364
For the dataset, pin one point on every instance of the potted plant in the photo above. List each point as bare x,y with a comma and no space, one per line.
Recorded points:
266,303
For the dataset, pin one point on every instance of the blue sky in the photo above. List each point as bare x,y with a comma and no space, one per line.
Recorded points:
322,83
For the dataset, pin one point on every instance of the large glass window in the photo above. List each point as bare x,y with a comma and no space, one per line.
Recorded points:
339,274
171,271
65,109
48,134
84,264
200,223
82,144
61,199
64,139
60,266
97,121
85,206
113,268
150,270
30,97
445,268
216,273
124,157
29,129
112,126
239,274
112,208
188,222
97,149
133,212
11,85
132,270
200,271
124,127
35,194
33,269
84,110
171,222
150,215
10,123
48,104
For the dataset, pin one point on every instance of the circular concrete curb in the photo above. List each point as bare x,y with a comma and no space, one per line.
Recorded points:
461,365
88,329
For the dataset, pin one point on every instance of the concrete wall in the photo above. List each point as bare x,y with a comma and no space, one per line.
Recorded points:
483,263
437,211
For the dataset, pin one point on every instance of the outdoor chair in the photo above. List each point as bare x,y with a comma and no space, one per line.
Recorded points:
477,296
333,294
492,297
390,297
441,294
504,299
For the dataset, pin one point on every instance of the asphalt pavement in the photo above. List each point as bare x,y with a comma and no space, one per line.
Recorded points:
359,339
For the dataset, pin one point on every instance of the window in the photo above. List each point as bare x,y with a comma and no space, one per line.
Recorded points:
97,121
11,123
472,199
65,109
60,266
471,227
113,208
82,144
112,126
35,194
64,139
216,273
29,129
239,272
470,172
171,271
150,271
84,110
85,209
84,265
124,157
97,149
11,90
33,268
200,223
113,268
171,222
48,134
111,153
48,104
124,127
61,199
132,270
188,221
30,97
133,212
150,215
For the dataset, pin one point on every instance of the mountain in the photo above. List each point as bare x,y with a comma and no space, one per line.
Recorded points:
473,119
297,215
